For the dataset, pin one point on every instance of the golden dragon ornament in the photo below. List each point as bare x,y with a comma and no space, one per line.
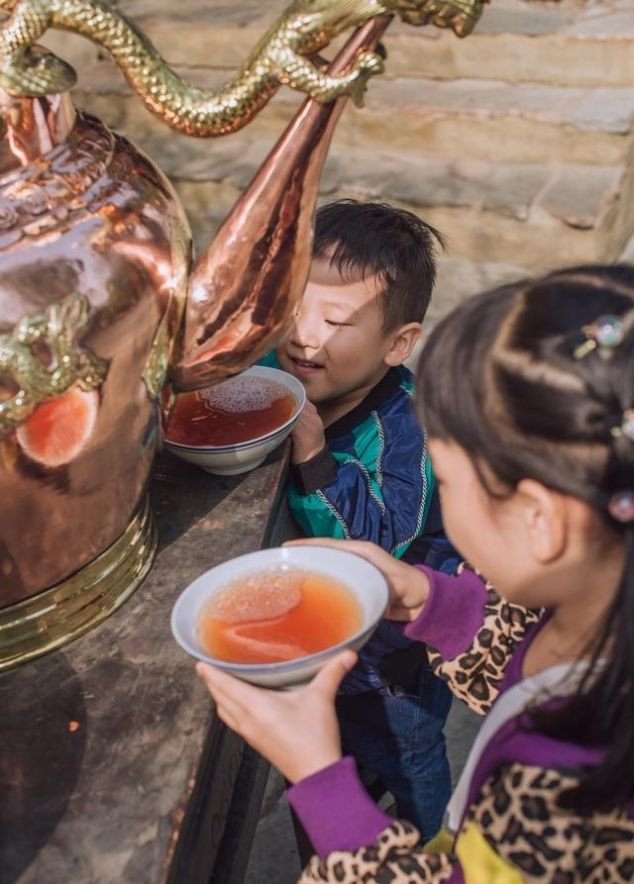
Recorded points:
285,55
57,331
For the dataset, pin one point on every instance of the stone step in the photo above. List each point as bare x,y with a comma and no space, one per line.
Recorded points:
527,123
535,216
627,255
569,43
457,280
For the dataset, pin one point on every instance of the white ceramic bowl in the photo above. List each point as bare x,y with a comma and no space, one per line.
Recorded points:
364,580
229,460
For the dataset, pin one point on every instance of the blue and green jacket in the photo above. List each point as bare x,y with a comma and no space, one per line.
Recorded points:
374,481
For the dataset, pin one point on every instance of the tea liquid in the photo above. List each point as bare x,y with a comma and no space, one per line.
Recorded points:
235,411
278,615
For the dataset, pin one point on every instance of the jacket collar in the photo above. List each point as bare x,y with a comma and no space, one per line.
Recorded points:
386,388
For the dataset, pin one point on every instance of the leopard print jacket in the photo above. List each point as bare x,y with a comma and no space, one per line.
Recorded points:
520,818
517,812
475,676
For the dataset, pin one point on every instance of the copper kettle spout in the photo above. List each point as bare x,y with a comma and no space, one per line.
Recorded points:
243,291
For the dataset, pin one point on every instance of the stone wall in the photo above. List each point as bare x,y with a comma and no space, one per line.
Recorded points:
516,142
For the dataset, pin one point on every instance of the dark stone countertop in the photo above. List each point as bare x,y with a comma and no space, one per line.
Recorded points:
113,767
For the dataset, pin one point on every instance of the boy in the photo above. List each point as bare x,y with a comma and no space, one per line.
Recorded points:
360,470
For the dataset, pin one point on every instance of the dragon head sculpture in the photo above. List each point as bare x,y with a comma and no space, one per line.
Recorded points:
459,15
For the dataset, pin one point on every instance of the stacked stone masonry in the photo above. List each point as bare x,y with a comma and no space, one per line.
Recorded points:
516,142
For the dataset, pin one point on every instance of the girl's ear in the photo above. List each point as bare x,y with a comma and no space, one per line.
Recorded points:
545,517
402,343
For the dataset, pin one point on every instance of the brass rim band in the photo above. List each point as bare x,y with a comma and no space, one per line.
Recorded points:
56,616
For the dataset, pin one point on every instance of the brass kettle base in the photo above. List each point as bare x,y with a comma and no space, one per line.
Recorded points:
56,616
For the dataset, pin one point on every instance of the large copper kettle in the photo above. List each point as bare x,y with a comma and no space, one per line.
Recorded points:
98,299
99,306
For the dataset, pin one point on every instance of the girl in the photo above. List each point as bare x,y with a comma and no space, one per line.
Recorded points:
529,405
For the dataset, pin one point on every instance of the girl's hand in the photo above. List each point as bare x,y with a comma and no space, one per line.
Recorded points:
409,586
296,731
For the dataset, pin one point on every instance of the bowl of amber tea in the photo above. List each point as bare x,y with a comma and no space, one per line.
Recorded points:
276,616
231,427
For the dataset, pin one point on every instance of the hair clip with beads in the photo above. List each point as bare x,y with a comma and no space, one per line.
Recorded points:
621,506
626,427
604,334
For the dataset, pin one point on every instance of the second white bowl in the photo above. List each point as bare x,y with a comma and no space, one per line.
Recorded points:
230,460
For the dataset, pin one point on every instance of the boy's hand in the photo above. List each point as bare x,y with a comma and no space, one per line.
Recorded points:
409,586
296,731
307,435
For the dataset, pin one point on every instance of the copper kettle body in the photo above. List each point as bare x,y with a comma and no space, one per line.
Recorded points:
95,255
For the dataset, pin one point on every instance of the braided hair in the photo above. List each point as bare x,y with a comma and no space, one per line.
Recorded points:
536,380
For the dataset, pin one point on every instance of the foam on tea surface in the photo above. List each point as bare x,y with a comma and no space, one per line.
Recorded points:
278,615
257,597
234,411
242,394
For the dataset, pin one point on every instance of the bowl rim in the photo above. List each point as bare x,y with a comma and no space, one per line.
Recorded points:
266,371
281,666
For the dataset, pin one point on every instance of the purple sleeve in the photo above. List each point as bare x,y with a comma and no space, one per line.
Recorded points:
335,809
453,612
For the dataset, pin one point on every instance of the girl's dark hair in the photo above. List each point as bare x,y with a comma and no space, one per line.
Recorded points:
512,377
364,239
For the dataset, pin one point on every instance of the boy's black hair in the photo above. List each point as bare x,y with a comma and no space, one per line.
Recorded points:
368,239
504,376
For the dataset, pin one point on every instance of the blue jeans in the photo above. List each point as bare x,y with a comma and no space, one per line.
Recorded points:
398,737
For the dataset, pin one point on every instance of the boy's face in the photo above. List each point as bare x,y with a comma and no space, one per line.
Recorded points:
337,345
